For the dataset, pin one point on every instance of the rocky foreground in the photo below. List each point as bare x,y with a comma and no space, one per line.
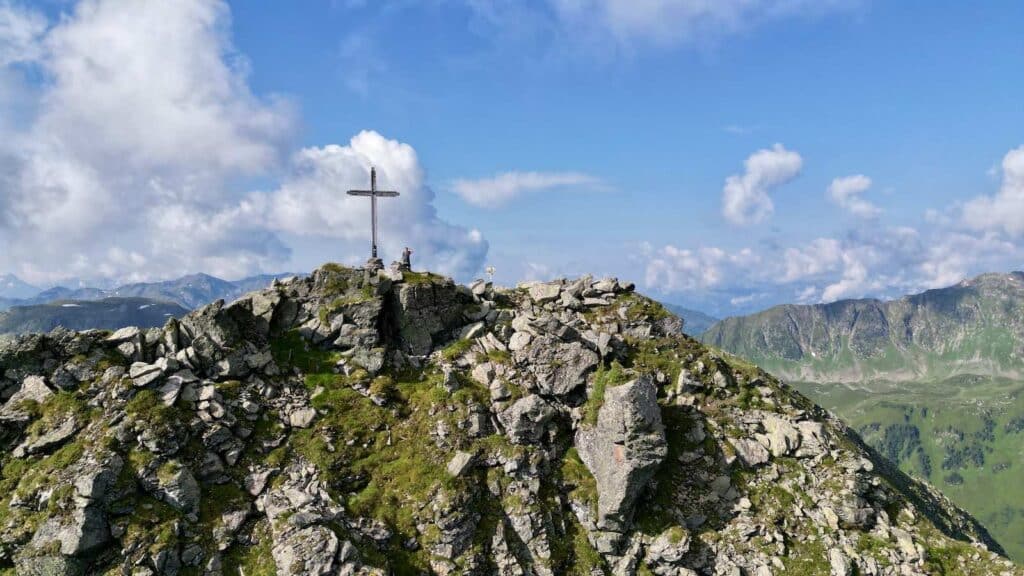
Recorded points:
388,423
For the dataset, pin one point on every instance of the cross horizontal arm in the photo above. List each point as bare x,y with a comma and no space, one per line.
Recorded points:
385,193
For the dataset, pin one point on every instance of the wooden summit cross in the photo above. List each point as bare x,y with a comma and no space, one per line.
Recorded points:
373,193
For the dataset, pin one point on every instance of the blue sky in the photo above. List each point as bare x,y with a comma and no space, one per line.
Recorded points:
726,155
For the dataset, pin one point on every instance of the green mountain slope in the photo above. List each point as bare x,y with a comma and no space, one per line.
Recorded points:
933,381
975,327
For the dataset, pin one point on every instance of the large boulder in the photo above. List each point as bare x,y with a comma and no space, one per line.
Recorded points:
425,311
558,368
624,449
220,336
84,529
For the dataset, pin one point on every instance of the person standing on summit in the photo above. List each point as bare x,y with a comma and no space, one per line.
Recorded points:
406,259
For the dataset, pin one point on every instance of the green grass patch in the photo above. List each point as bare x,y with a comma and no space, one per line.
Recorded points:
422,278
292,350
255,560
456,349
613,375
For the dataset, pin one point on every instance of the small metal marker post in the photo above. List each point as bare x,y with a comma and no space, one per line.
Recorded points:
373,193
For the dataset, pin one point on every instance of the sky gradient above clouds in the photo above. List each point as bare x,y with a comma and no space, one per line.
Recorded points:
727,155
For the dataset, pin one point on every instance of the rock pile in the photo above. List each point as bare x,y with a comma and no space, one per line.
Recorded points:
379,422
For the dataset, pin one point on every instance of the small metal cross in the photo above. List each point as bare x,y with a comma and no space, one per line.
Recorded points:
373,193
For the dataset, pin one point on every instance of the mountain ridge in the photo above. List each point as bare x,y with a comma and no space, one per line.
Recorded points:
364,422
103,314
975,326
190,291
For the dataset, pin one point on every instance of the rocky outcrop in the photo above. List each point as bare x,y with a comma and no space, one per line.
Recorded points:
378,422
623,450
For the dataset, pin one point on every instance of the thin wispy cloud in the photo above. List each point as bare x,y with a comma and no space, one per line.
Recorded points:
674,22
503,188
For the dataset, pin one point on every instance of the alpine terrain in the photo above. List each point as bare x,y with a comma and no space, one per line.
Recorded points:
108,313
933,381
381,422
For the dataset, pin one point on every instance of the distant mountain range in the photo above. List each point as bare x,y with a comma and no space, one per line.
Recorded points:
105,314
974,327
12,288
190,291
934,381
141,304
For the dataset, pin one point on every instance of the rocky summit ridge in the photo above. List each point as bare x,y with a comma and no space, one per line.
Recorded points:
381,422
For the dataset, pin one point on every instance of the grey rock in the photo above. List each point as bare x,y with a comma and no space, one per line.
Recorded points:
33,388
256,482
176,486
302,417
526,420
50,440
669,548
838,562
750,452
542,293
782,436
297,510
460,463
473,331
519,341
51,565
624,449
124,335
558,368
425,312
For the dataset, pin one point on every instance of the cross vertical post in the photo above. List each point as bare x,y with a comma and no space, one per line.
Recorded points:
373,193
373,212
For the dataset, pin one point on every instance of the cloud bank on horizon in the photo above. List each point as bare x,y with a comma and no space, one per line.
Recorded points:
110,170
877,260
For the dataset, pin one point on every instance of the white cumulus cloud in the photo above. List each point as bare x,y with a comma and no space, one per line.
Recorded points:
745,198
498,190
1004,211
847,191
133,163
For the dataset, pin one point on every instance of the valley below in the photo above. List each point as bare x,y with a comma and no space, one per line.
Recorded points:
964,435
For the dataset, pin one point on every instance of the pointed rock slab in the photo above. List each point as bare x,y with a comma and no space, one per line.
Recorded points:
50,440
33,388
624,449
750,452
176,486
